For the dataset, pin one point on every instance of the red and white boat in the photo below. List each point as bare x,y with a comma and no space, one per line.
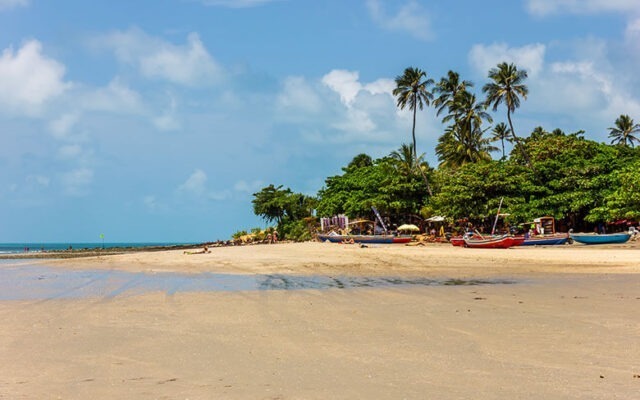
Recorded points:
500,242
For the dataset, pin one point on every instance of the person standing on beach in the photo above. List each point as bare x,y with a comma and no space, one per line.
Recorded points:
275,236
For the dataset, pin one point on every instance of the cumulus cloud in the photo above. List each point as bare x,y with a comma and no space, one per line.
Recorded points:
298,95
545,7
168,120
411,18
195,184
116,97
29,79
529,57
189,64
61,127
7,4
347,84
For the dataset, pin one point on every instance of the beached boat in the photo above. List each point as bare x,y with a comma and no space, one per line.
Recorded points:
595,238
501,242
546,240
381,239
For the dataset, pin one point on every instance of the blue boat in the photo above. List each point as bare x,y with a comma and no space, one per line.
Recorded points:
606,238
546,240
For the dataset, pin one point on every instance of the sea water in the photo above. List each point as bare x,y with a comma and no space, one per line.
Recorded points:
21,281
13,248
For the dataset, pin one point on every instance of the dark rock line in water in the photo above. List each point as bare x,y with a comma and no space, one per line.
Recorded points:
37,283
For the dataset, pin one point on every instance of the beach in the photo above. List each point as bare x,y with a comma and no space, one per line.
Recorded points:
558,322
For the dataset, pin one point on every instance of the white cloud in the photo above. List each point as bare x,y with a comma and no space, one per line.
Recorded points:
411,18
7,4
236,3
345,83
28,79
529,57
168,120
62,126
195,184
545,7
76,182
298,95
116,97
189,64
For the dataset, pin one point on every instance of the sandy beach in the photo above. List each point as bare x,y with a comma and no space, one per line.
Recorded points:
567,326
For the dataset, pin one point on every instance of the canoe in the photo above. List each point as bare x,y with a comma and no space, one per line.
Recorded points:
377,239
546,240
606,238
501,242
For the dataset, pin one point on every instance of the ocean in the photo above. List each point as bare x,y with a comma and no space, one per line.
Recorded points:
13,248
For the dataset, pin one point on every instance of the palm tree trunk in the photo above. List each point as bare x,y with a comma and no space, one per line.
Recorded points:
516,140
502,140
413,132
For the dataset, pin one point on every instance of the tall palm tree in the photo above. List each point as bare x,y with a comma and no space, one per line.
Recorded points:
463,141
507,87
624,130
448,88
412,90
501,132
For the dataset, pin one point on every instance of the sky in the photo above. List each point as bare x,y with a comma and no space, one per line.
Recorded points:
156,120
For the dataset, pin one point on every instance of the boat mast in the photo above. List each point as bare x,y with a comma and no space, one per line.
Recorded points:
495,222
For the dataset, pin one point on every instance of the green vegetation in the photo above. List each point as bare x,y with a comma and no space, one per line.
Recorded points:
576,180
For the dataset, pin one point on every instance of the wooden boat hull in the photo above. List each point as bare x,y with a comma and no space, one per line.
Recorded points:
377,239
457,241
503,242
546,240
593,238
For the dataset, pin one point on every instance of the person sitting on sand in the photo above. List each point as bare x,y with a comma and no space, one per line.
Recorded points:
203,251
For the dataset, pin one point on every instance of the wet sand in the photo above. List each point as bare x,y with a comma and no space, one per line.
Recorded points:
568,329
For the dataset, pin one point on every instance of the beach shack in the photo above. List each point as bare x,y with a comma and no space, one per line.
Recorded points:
545,225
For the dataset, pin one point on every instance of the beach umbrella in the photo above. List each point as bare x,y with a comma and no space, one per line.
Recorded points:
408,227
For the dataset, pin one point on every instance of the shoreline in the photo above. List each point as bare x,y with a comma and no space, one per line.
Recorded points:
570,333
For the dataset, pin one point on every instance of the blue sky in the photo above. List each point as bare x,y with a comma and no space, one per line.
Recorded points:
157,120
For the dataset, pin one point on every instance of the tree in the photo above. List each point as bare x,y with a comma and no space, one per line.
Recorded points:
448,88
506,87
405,161
412,90
463,140
501,132
624,130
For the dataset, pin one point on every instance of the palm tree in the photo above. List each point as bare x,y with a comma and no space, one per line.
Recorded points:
404,158
501,132
412,90
448,88
507,87
463,140
623,132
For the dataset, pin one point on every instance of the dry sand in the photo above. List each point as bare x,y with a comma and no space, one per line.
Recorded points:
568,329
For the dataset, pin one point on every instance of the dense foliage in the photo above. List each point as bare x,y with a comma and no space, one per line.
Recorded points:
578,181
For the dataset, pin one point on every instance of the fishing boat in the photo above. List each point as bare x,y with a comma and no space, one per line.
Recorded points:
546,240
547,235
500,242
377,239
605,238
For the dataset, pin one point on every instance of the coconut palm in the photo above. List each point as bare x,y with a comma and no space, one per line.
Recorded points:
501,132
404,159
623,131
412,90
463,140
447,89
507,87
